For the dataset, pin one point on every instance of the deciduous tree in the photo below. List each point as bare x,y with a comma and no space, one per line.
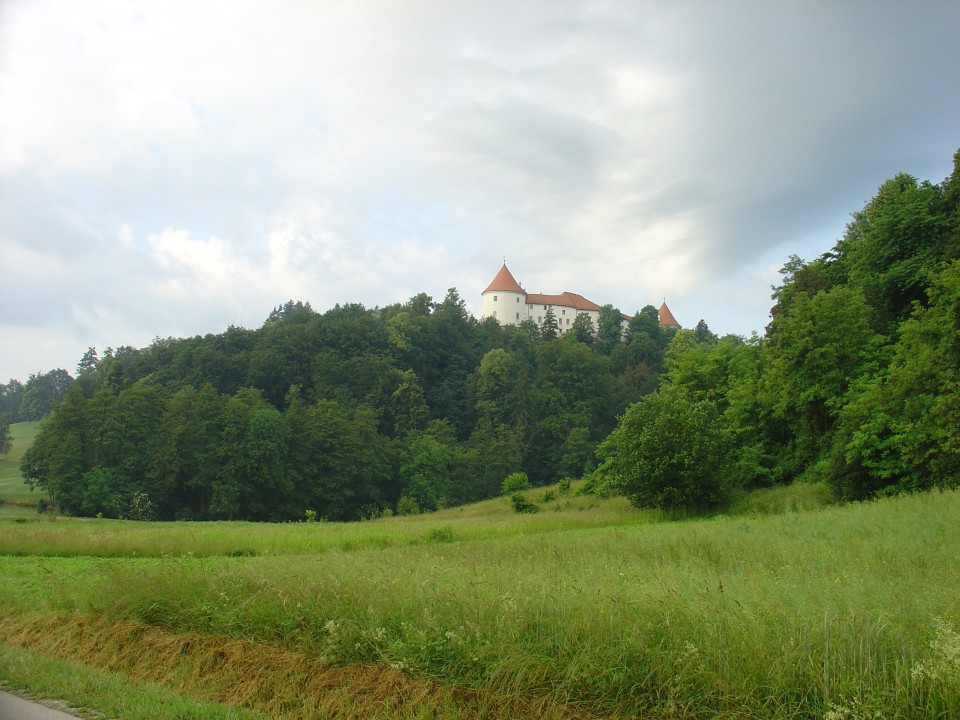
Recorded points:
668,452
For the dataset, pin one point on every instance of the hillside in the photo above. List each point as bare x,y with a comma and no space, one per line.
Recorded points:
13,490
355,412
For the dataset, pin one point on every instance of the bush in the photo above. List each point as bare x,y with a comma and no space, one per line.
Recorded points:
515,482
406,505
140,508
668,452
440,535
564,487
521,504
599,483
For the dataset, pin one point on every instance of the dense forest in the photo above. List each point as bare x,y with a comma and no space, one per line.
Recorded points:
355,411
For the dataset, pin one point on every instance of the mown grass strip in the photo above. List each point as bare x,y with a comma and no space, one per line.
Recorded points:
65,537
13,490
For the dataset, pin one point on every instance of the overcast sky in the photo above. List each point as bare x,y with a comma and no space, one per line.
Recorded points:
172,168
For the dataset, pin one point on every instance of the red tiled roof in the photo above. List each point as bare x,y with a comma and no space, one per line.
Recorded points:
567,299
504,282
666,317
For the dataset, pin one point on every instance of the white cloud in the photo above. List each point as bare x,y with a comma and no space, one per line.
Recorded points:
175,167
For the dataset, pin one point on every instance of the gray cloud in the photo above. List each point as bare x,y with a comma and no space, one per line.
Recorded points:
172,168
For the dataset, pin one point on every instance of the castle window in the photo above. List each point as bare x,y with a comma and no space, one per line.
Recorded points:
494,298
518,299
518,316
563,312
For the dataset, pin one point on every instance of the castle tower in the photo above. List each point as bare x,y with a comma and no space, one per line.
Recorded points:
666,317
504,299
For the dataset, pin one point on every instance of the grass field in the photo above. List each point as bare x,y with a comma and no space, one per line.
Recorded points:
586,609
13,491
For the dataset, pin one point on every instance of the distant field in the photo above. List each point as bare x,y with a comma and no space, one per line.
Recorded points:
13,491
588,608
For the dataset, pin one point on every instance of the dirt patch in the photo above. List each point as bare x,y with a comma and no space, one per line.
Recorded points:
274,681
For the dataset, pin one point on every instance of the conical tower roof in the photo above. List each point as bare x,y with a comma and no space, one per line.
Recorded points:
666,317
504,282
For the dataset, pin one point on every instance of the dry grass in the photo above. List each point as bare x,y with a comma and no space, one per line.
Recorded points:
279,683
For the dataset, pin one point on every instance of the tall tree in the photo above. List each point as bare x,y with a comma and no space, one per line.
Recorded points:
609,329
582,329
88,362
11,396
893,243
549,328
42,392
816,352
900,430
6,439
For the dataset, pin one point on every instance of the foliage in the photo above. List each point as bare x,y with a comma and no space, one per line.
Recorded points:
406,505
6,439
668,452
549,328
582,329
609,329
521,504
898,431
515,482
11,397
349,410
42,392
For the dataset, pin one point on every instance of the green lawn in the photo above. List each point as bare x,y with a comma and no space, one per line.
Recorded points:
13,491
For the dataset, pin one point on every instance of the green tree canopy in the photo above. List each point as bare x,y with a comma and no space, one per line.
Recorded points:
668,452
6,440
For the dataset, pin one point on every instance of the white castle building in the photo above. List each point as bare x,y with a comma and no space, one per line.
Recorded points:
505,300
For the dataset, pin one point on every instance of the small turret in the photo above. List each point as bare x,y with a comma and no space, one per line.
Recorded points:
666,317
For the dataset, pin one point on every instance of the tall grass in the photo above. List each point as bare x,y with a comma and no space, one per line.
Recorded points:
839,613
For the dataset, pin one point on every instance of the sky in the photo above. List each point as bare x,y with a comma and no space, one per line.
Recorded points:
172,168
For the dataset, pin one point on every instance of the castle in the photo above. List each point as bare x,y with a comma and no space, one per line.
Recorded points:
505,300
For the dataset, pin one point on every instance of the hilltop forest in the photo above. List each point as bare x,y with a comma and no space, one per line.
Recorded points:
355,411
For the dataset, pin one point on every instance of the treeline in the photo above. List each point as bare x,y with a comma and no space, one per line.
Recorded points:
21,402
346,413
856,382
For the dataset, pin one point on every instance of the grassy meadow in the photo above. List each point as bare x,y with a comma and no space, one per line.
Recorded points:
13,491
588,608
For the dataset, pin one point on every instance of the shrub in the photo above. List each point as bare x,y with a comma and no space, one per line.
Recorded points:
564,487
440,535
406,505
140,508
515,482
521,504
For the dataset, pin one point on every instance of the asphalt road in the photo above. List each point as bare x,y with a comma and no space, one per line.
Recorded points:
16,708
